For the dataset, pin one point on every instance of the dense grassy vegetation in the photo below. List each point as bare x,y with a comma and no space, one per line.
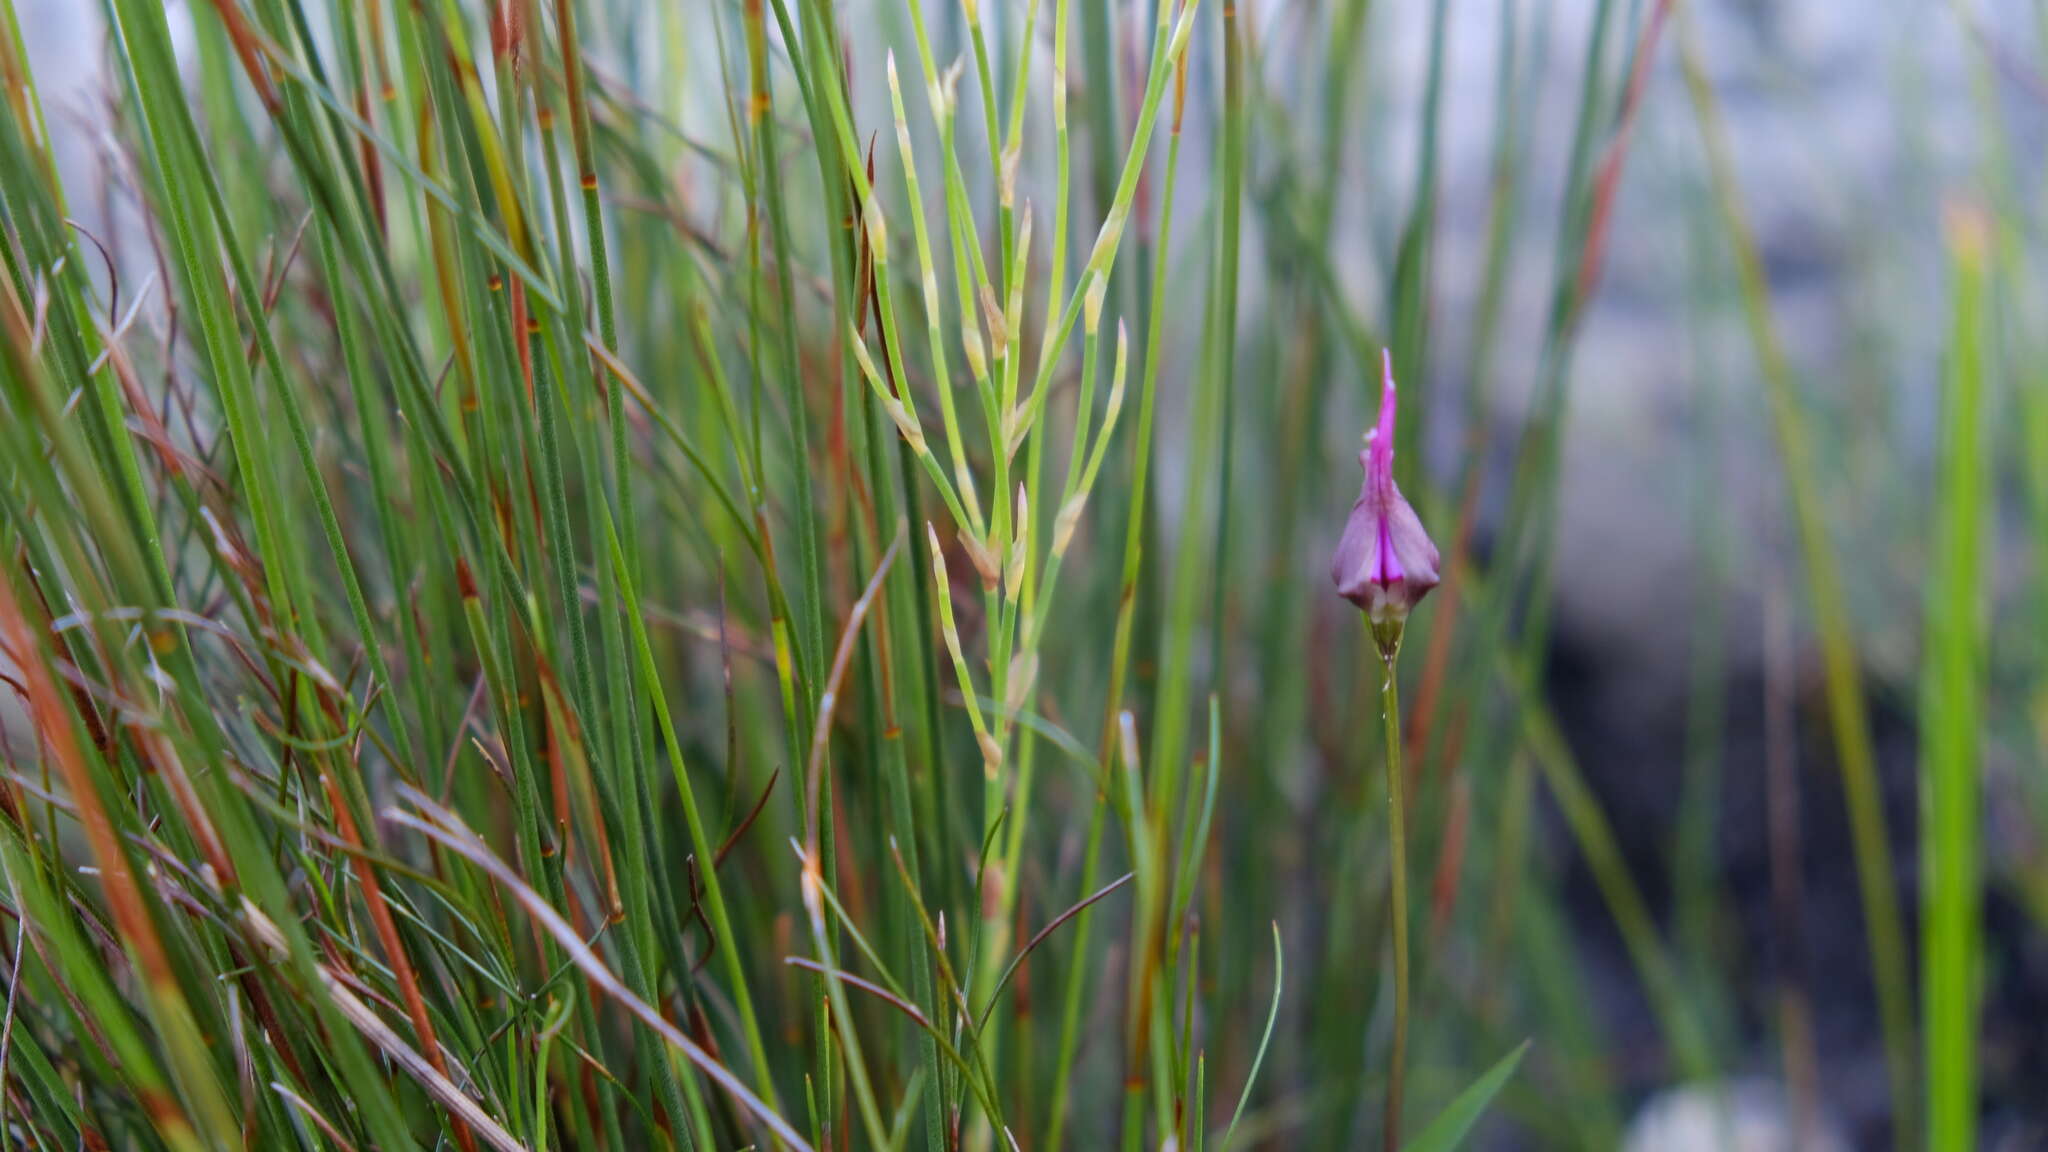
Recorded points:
609,576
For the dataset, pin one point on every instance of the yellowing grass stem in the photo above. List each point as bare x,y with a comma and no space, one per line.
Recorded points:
1847,712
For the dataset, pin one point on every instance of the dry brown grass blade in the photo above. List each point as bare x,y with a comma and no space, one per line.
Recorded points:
387,1041
394,947
448,830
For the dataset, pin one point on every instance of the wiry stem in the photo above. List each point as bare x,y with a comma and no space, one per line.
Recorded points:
1397,840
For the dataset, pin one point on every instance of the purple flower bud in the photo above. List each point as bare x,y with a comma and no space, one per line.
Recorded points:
1385,562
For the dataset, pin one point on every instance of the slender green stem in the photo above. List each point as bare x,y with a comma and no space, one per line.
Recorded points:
1951,699
1397,848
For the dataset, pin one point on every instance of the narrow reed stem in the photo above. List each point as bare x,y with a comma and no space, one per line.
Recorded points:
1397,840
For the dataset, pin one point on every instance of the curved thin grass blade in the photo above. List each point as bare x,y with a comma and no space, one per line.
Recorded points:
448,830
1449,1128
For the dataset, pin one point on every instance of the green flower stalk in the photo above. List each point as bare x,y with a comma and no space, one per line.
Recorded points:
1385,564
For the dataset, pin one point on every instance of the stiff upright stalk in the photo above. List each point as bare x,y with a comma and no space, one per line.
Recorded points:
1397,833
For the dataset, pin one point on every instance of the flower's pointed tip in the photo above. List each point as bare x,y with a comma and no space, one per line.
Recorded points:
1380,440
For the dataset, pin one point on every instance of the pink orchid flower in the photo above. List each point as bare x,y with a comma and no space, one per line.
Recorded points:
1386,562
